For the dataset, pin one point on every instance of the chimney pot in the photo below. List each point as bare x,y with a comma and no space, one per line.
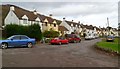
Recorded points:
50,15
12,8
35,12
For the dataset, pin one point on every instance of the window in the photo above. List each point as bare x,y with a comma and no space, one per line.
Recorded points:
37,22
71,24
16,38
45,23
24,37
54,25
25,21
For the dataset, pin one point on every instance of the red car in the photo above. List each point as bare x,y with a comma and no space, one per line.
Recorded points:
59,40
73,38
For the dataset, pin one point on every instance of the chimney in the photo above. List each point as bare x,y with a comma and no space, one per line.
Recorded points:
99,27
12,8
79,22
35,12
50,15
72,20
64,19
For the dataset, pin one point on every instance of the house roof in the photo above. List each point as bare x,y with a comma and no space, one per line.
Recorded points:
74,23
103,28
97,28
20,12
5,9
88,27
82,26
62,28
58,22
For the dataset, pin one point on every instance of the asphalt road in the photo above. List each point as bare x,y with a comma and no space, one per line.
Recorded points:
69,55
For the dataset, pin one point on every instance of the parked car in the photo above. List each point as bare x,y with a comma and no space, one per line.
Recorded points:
17,41
88,37
59,40
73,38
110,38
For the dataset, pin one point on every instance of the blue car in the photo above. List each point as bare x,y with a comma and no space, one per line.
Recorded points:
17,41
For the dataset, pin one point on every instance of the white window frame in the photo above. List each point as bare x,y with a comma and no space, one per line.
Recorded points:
25,21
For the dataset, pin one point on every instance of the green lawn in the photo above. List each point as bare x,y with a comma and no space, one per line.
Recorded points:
109,45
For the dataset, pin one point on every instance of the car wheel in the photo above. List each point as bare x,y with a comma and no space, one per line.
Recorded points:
79,41
29,45
4,45
52,44
60,43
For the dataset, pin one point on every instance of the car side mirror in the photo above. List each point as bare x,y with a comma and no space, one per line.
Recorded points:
11,39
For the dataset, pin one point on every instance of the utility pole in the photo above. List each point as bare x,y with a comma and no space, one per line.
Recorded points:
108,21
108,26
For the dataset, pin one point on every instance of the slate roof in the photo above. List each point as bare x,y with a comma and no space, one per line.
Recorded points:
74,23
62,28
20,12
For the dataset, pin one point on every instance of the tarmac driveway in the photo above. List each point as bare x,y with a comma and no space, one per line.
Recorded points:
72,55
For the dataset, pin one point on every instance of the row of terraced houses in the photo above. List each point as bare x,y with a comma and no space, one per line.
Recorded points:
12,14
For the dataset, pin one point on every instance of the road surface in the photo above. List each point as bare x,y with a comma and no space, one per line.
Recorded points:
69,55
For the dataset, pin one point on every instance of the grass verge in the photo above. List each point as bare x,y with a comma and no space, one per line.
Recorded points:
109,46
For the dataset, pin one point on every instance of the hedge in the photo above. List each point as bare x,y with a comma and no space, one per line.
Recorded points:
32,31
51,34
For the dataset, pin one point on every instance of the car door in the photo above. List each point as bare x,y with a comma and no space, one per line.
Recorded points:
24,40
15,41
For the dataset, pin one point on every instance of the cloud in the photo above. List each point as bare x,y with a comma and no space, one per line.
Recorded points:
60,0
94,13
74,9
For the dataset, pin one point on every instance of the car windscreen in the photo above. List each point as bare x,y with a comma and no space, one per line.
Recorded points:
70,36
78,36
110,37
10,37
62,38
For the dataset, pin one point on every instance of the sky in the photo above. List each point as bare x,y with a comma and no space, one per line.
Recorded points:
87,12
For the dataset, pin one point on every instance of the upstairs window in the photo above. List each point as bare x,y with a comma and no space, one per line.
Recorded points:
36,22
45,23
54,25
25,21
71,24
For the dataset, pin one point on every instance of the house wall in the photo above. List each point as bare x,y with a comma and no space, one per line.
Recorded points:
90,32
67,26
49,26
11,18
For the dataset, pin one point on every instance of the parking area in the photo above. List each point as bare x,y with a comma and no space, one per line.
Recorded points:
68,55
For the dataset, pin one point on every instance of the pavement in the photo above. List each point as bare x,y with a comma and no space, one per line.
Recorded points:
67,55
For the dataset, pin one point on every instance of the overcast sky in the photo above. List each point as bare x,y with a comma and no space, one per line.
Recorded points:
91,13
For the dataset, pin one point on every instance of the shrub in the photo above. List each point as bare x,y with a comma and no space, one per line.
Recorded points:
32,31
51,34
